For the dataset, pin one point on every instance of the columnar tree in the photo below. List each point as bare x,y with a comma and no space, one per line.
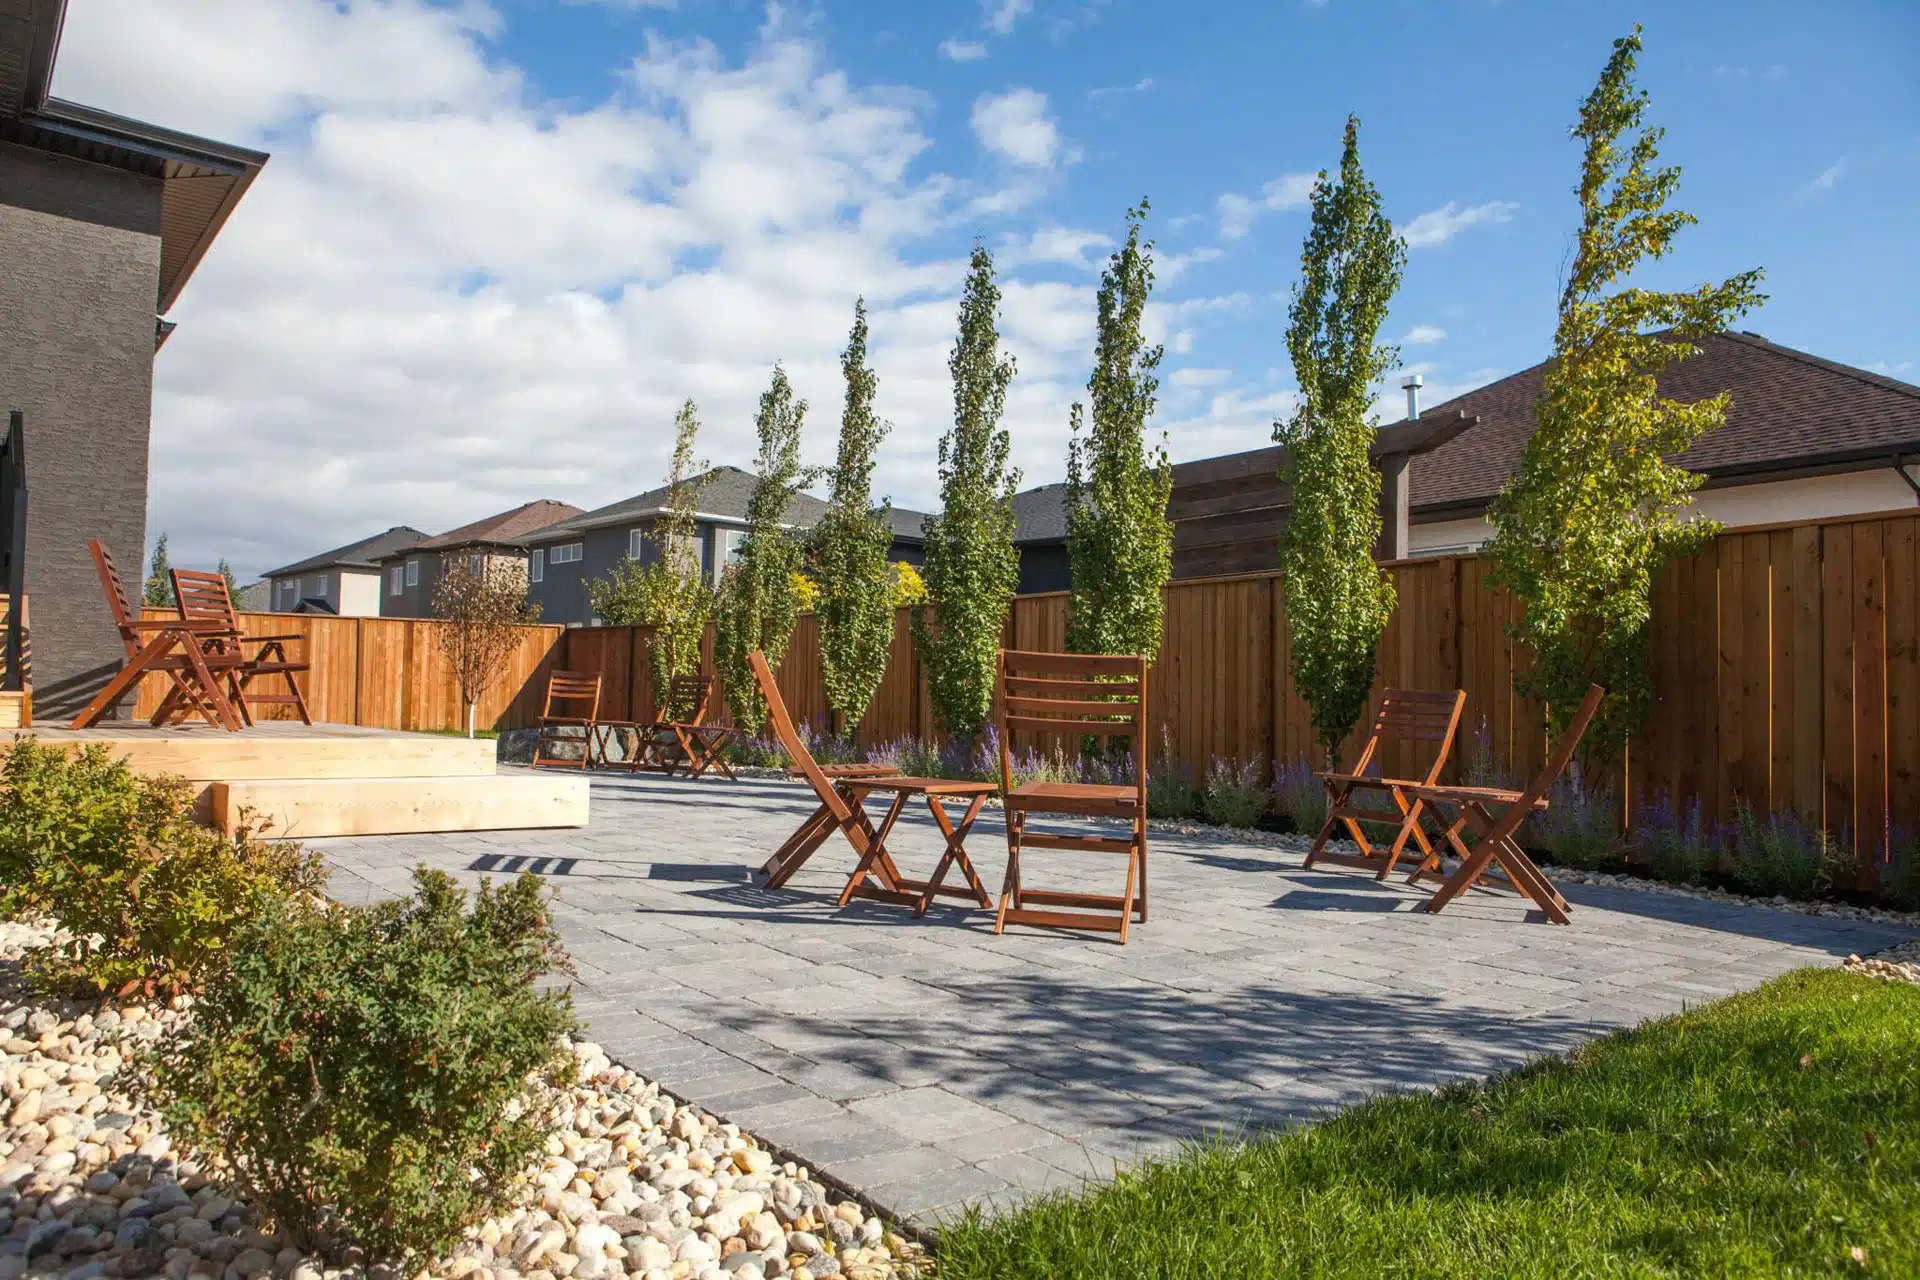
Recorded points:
483,610
855,602
1595,508
971,568
233,584
669,595
758,603
158,588
1338,597
1119,540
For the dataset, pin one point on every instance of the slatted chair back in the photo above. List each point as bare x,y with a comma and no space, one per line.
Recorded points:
1413,716
790,741
123,615
1073,695
202,597
1556,765
566,690
688,699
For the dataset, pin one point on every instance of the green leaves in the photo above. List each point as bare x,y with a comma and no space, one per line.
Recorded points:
669,594
971,568
1338,598
158,588
363,1070
1119,540
757,605
855,605
1596,509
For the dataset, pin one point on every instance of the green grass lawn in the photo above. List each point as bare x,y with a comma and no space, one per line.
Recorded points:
1770,1134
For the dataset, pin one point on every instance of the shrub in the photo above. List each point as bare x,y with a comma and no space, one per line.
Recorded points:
914,757
363,1071
1900,874
1680,848
151,898
1234,796
1299,795
1580,827
1170,789
1784,856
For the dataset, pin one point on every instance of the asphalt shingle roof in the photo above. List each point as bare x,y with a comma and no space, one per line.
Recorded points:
356,555
1785,407
506,527
724,492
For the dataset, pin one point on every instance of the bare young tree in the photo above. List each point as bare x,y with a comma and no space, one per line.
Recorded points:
483,610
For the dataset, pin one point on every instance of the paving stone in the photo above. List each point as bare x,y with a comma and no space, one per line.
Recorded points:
932,1063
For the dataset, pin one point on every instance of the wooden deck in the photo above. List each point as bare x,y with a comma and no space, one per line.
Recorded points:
336,779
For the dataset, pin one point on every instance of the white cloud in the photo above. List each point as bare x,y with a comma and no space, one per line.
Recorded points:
1141,85
1065,245
1171,267
1195,377
1826,178
1017,126
1437,226
1423,335
1001,15
962,50
1889,370
1237,212
444,296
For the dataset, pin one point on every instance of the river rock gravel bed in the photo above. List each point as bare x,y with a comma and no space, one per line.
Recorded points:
634,1182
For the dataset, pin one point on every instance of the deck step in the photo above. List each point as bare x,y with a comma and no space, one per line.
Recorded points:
14,708
316,753
304,808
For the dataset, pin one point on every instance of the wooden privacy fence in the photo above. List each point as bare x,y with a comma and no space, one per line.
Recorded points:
1783,659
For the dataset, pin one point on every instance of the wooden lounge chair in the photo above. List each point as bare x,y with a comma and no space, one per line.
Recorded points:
173,646
843,808
1404,715
1494,843
566,692
1074,695
203,598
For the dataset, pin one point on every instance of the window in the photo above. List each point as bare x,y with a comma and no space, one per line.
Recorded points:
537,565
413,573
396,581
733,543
636,543
567,554
289,591
473,564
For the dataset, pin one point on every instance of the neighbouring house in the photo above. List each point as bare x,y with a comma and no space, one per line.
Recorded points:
410,575
102,221
1805,439
255,597
563,558
344,581
1040,539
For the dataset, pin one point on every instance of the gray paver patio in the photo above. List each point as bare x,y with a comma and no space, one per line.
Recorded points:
930,1064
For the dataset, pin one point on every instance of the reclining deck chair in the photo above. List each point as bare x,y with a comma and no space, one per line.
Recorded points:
1404,715
842,801
174,646
204,598
1074,695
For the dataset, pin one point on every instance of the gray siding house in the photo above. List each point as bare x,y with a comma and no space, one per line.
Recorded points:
410,576
563,558
102,221
343,581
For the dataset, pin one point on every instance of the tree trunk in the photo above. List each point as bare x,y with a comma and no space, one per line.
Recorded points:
470,707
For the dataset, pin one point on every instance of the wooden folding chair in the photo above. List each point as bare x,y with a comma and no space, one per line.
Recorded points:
174,646
568,689
1494,842
1074,694
1404,715
843,808
682,739
203,598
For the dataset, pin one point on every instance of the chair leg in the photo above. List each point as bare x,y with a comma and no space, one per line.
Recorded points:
124,680
1140,847
1010,890
876,847
1334,800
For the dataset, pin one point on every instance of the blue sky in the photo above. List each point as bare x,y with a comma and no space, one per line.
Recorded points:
497,245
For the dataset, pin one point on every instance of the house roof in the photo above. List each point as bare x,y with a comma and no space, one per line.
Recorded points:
1040,515
724,493
1788,411
364,554
503,529
201,180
